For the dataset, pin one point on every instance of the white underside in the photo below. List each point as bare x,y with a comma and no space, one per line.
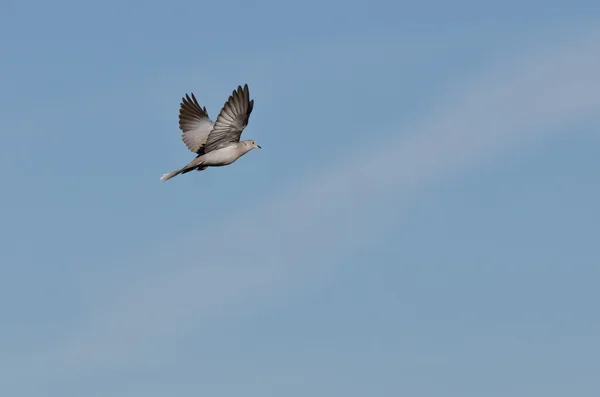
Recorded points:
223,156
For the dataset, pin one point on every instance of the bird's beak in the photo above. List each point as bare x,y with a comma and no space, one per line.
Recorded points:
259,146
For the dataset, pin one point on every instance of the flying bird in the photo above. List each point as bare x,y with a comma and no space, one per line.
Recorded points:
215,143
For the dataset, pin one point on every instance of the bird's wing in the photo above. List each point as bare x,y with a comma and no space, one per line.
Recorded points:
194,123
231,121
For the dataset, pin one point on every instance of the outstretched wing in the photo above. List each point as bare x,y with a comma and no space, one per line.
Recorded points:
194,123
231,121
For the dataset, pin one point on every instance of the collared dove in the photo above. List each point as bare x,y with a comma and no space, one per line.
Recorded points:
215,143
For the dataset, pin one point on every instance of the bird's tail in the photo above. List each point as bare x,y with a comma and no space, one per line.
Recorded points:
195,164
170,175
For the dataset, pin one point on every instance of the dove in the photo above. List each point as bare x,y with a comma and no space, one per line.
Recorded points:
217,143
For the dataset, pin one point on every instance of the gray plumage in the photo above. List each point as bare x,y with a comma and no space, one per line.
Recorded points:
216,144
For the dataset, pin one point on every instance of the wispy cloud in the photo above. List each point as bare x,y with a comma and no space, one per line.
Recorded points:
305,229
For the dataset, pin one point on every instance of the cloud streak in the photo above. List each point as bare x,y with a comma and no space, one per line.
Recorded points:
307,228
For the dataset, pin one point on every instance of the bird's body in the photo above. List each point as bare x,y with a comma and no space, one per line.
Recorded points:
226,155
216,143
216,158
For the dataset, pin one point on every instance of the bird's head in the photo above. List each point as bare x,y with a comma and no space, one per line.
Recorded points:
252,144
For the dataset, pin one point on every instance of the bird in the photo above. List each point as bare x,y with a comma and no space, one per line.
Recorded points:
217,143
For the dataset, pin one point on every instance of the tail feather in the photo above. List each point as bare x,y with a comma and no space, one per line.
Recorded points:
195,164
170,175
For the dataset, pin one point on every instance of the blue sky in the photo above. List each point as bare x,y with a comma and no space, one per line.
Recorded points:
422,219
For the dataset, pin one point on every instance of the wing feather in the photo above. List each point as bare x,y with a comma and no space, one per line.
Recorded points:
194,124
231,121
